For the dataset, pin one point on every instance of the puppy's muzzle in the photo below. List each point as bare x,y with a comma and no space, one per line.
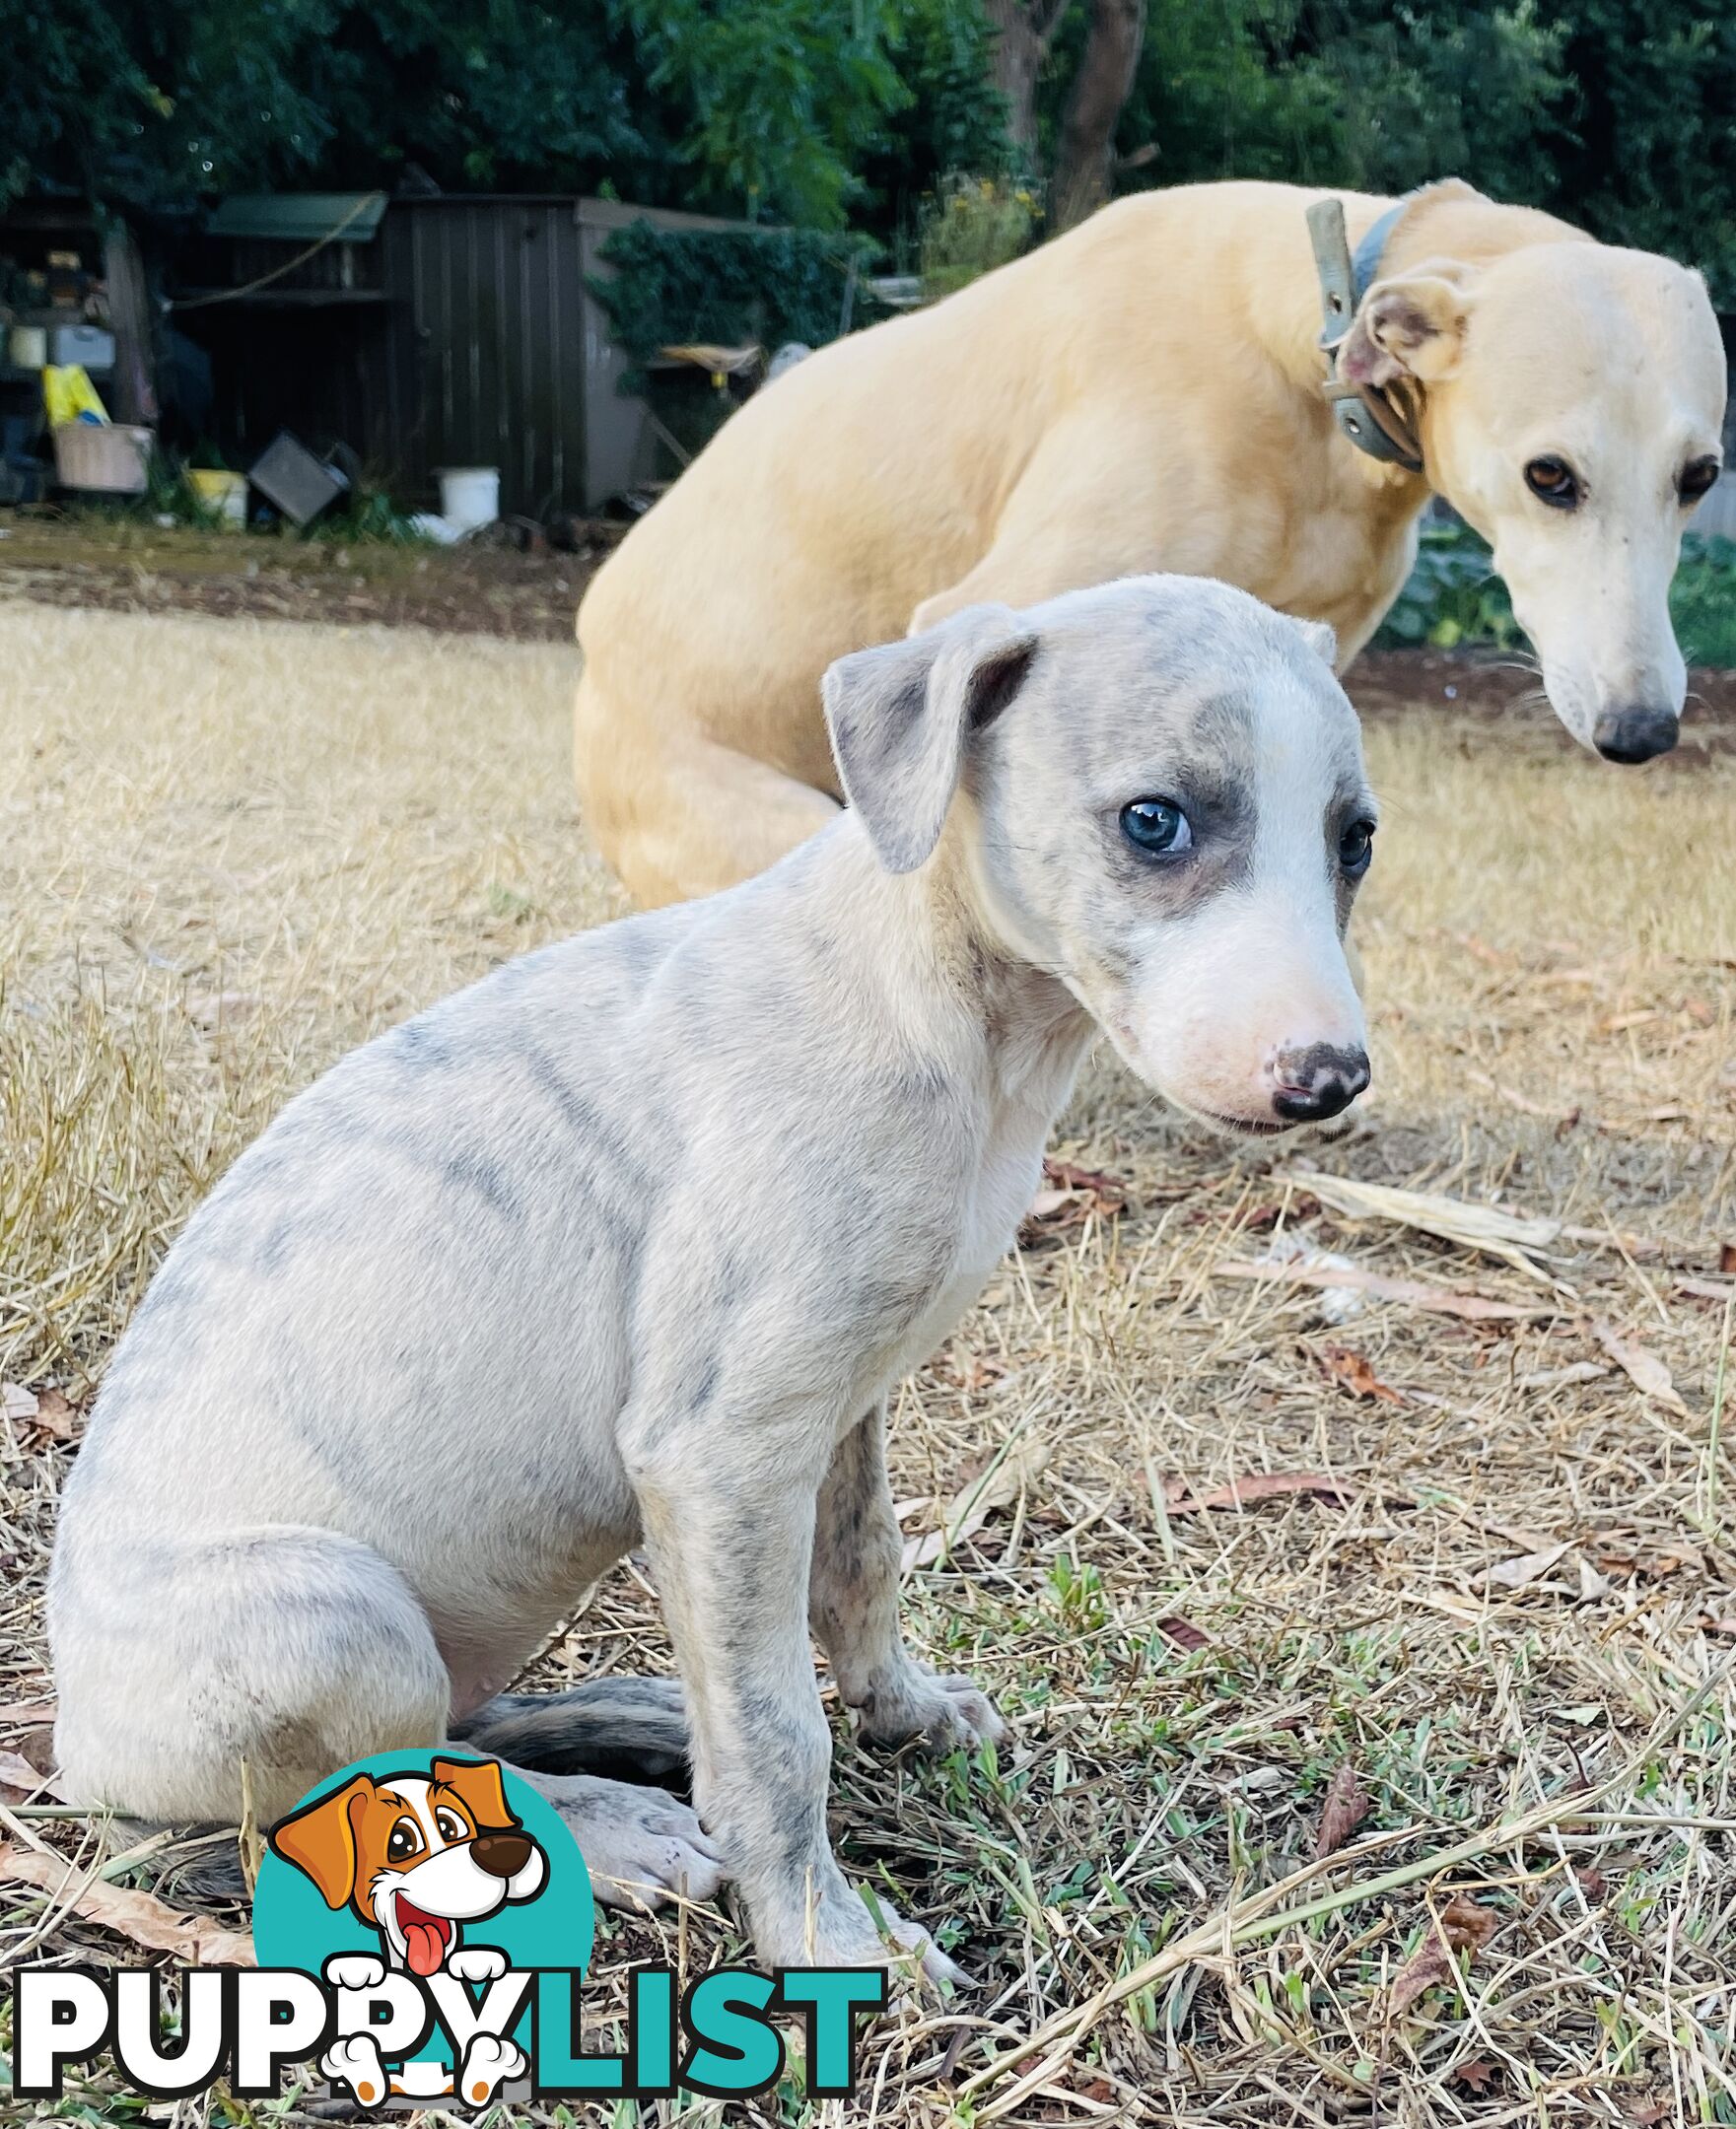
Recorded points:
501,1855
1312,1085
1636,734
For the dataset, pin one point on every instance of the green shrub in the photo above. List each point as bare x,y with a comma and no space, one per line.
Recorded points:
671,288
972,225
1453,597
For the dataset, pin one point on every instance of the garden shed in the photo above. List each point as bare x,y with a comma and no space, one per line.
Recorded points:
422,333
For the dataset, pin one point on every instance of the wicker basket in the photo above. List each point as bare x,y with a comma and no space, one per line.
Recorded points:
107,457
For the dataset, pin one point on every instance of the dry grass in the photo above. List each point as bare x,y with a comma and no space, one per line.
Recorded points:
229,851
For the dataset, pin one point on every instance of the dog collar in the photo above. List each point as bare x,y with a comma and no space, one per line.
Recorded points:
1369,416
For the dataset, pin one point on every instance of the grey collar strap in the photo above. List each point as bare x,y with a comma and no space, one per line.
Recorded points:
1369,416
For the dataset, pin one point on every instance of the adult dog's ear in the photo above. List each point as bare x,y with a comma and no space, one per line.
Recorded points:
1413,326
478,1787
900,715
320,1839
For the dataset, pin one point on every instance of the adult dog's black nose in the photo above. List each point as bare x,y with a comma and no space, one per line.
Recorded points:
502,1855
1318,1082
1636,733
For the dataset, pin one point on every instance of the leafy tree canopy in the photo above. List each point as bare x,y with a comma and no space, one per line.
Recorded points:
1617,114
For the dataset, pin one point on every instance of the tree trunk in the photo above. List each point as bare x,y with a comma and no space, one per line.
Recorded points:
1100,88
1023,31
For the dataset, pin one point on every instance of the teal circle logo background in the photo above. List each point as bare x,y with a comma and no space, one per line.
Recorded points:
294,1927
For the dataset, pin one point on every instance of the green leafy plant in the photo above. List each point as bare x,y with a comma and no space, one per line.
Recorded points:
674,287
1453,597
972,225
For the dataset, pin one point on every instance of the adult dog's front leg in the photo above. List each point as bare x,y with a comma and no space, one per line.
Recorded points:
729,1528
853,1604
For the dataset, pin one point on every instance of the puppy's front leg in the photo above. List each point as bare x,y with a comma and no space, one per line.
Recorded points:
729,1526
853,1604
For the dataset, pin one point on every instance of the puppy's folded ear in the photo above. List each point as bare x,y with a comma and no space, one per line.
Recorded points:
900,718
320,1839
478,1787
1412,327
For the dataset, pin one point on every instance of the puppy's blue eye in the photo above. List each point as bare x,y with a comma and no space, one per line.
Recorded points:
1355,845
1156,827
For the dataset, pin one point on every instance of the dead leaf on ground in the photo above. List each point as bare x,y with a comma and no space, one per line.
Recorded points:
1412,1293
976,1501
1475,1226
1728,1257
1185,1635
1069,1196
1346,1806
1643,1368
1475,2074
967,1370
1579,1578
1356,1373
1462,1926
18,1775
27,1711
1562,1378
141,1917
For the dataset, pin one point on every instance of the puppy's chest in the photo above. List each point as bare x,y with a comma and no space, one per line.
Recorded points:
996,1200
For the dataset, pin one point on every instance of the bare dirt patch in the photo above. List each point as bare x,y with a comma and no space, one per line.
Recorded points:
120,564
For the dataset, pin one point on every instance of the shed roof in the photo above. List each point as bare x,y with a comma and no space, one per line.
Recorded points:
299,217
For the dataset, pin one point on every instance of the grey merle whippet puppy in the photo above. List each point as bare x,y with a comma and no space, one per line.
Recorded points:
626,1244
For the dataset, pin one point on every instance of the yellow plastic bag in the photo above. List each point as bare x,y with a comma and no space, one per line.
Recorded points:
69,396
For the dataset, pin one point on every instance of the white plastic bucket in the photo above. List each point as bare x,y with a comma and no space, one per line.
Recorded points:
470,495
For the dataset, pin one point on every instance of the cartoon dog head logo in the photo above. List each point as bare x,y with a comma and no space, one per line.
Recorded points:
416,1856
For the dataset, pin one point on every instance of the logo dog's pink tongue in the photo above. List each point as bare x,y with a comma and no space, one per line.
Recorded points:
423,1944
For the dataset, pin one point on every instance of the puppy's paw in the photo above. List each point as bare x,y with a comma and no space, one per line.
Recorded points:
489,2063
845,1933
476,1963
355,1971
355,2063
641,1847
944,1713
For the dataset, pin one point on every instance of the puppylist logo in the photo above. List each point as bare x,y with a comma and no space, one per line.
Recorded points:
423,1922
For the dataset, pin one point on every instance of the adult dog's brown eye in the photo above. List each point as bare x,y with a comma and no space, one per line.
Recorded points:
405,1841
1553,481
1696,478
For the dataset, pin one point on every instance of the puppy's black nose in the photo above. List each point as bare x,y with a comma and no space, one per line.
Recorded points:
502,1855
1318,1082
1636,733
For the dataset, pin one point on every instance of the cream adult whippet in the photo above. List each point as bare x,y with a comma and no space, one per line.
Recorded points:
1146,393
630,1240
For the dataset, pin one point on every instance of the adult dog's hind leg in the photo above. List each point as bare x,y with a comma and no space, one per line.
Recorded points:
852,1607
624,1726
676,813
